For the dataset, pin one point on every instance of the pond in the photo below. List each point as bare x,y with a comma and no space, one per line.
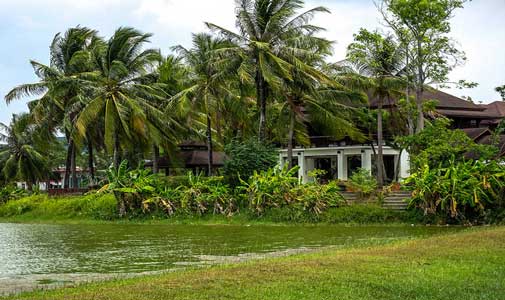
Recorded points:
38,256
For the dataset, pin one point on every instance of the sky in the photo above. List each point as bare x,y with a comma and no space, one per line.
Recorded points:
27,27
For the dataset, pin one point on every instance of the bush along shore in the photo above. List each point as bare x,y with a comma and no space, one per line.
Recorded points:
273,195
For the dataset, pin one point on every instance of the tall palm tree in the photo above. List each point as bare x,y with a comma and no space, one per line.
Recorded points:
311,96
378,59
20,159
207,81
61,86
168,79
119,96
266,28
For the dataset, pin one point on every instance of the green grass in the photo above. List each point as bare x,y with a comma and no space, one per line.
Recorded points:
102,209
42,207
465,265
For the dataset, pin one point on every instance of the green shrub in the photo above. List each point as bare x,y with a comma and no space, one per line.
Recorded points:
362,182
245,158
438,145
463,191
276,188
199,196
11,192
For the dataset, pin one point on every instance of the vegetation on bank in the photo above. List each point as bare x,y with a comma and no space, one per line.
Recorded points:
446,186
102,208
464,265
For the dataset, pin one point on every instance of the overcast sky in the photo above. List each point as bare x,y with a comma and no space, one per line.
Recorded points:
28,26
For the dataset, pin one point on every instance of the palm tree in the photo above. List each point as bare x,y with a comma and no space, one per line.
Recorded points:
312,96
61,86
168,79
264,43
119,96
20,159
207,81
378,59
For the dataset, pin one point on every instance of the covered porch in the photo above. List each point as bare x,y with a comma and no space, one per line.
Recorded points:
340,162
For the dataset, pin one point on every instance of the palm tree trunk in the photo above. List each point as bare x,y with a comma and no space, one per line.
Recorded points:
74,168
68,161
156,159
219,129
380,157
209,144
29,186
117,156
91,164
262,104
290,138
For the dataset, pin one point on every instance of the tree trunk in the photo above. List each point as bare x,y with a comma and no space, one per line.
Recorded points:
419,88
219,129
209,144
68,161
156,159
397,169
74,168
290,138
117,155
420,113
262,105
91,162
410,117
380,157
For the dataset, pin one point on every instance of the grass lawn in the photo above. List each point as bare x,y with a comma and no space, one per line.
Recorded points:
465,265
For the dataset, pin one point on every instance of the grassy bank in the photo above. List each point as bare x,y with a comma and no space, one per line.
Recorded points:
465,265
100,209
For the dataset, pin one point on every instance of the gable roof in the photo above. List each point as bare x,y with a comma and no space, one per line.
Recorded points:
496,108
444,101
452,106
477,133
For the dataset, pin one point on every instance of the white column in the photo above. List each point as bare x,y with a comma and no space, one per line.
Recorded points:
301,163
309,166
404,165
366,160
340,166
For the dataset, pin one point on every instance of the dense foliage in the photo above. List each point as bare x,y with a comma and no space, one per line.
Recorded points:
244,158
139,192
278,187
447,181
11,192
462,191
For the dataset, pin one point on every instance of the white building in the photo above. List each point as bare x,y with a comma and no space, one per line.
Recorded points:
340,162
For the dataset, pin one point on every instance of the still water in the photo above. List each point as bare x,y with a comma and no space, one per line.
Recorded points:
33,255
